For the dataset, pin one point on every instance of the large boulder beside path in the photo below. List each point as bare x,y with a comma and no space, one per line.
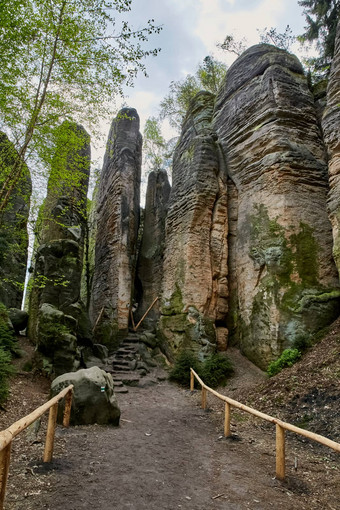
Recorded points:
93,400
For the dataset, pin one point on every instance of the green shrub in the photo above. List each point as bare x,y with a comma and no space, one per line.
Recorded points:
287,359
214,371
6,369
180,372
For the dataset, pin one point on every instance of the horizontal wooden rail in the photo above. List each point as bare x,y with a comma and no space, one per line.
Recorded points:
7,435
281,426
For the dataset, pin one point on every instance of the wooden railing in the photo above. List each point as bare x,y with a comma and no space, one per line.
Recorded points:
7,436
281,426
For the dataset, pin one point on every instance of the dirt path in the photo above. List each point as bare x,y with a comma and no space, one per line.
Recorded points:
167,454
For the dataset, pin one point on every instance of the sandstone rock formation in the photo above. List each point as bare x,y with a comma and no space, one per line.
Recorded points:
195,291
58,322
331,128
280,257
150,259
13,230
93,399
117,229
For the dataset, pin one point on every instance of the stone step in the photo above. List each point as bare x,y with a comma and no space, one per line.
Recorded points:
120,367
122,389
117,383
128,379
127,349
131,339
122,362
128,354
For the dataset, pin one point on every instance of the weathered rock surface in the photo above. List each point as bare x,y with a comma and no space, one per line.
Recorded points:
64,212
18,318
13,230
117,229
150,260
280,263
93,400
195,287
59,258
331,129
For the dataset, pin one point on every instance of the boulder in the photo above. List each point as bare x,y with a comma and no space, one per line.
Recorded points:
93,401
57,341
18,318
195,288
331,127
282,277
117,230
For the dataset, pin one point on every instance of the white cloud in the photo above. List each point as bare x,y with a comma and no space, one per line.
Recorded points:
242,18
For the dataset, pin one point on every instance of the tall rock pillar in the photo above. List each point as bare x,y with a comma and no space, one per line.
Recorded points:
150,260
117,229
281,255
331,130
58,322
195,291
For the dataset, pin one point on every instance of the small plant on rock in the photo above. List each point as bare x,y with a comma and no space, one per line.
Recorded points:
287,359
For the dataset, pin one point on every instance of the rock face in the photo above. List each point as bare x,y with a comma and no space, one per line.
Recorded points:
93,400
331,127
58,322
280,260
13,230
150,260
117,230
195,291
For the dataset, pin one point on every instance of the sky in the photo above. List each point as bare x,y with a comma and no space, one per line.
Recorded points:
191,30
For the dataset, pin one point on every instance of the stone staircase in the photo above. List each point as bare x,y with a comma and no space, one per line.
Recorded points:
130,363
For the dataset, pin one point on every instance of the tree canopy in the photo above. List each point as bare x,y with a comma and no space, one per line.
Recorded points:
208,76
61,60
322,17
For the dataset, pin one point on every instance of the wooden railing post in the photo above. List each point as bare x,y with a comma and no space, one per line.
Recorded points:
192,381
52,420
280,452
5,457
227,432
67,409
204,397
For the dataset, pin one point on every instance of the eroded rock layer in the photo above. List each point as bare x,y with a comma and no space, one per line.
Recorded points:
150,260
13,229
286,280
117,229
195,287
331,130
